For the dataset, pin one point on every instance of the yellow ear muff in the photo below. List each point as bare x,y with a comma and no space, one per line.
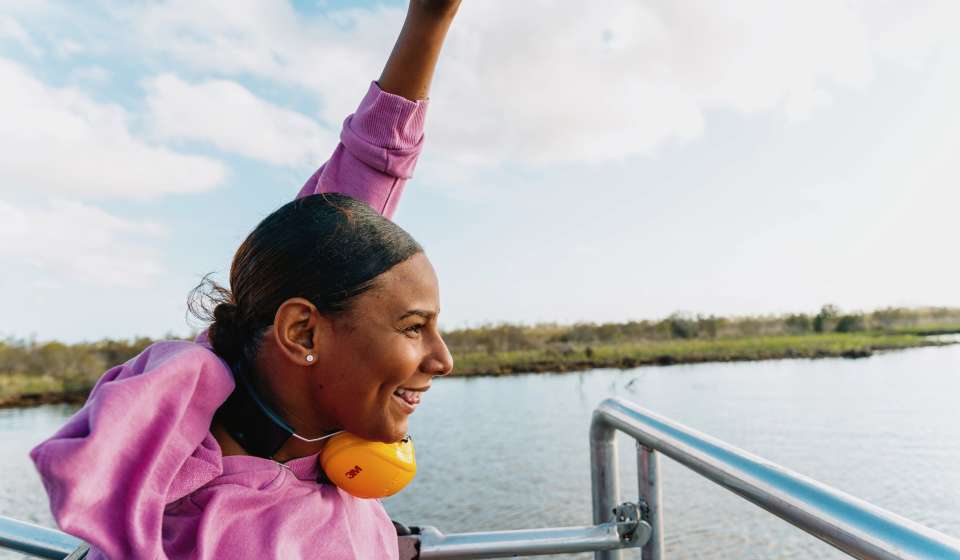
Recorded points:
368,469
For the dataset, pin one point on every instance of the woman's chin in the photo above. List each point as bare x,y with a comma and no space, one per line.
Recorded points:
396,432
387,433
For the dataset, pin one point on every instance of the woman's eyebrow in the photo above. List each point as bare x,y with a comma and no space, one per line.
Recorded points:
418,312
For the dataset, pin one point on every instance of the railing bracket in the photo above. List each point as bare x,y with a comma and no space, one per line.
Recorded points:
633,530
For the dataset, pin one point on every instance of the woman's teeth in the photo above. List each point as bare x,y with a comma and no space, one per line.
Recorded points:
410,397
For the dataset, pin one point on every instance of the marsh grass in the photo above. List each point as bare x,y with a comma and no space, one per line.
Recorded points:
33,372
667,352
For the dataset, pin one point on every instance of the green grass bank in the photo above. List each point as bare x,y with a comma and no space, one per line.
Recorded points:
37,373
669,352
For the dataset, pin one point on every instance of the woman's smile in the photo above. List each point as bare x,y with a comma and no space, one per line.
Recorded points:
409,398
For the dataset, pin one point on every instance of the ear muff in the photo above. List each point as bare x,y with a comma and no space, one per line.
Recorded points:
368,469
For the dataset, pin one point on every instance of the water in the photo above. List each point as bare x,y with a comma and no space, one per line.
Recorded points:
511,452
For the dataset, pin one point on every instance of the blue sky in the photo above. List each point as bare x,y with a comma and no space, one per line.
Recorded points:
616,161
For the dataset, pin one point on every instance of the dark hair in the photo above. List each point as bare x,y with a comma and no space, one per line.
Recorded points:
326,248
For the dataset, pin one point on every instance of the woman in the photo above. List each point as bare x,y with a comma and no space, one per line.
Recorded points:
332,319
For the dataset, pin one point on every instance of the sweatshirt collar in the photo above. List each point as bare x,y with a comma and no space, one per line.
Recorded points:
304,468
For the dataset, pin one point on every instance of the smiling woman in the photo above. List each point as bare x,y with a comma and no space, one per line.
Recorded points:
339,305
329,324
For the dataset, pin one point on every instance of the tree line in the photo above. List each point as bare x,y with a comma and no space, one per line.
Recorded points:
679,326
77,365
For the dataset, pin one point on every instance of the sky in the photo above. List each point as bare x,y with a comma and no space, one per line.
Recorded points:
599,161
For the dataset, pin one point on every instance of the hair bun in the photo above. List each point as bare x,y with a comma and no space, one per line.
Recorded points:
224,332
226,314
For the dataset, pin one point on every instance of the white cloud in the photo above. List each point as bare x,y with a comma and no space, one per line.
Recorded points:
543,82
61,140
81,242
12,30
67,48
528,82
235,120
333,56
93,75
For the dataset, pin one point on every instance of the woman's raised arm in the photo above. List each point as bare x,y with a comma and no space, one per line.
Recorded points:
381,141
409,69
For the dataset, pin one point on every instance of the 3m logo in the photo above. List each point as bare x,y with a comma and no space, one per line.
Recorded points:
352,473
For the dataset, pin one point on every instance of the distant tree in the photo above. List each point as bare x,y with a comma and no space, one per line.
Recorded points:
798,324
890,317
709,326
682,326
824,320
850,323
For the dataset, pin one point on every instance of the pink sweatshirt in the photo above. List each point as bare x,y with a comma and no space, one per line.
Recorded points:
136,472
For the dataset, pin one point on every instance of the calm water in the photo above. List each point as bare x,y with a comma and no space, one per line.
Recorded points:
503,453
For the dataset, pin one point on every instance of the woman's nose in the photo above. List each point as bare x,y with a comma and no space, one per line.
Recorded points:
439,362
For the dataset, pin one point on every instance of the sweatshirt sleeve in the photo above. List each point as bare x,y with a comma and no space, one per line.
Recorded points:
378,150
138,442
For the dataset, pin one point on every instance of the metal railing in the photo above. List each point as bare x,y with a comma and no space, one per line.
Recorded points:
857,528
853,526
36,540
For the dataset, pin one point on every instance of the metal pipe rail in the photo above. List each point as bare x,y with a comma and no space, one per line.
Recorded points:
853,526
501,544
624,530
36,540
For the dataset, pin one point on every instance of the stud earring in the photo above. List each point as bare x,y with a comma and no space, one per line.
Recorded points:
309,358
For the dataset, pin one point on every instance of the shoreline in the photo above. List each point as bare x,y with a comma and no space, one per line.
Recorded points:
28,400
719,353
624,357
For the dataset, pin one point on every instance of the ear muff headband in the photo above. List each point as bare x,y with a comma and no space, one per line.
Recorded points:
250,421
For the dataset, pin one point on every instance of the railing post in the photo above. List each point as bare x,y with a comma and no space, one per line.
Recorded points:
648,472
604,476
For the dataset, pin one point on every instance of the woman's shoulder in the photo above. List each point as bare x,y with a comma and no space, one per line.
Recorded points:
172,359
140,441
194,351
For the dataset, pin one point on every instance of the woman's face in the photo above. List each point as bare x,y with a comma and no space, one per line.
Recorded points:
383,354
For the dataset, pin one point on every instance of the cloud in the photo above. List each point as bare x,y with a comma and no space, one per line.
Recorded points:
92,75
233,119
519,83
10,29
540,82
67,48
60,140
333,56
72,240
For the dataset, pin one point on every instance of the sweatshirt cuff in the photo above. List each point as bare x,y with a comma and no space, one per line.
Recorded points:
386,132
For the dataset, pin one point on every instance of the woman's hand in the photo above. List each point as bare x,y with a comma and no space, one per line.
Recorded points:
409,69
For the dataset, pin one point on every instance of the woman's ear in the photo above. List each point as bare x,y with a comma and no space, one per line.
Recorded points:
300,331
